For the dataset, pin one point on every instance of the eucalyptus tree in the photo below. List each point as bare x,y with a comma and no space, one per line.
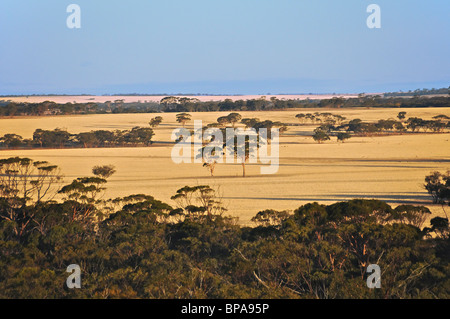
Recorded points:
156,121
183,118
22,182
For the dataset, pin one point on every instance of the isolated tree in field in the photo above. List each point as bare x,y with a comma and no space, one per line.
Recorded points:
105,171
320,136
342,137
213,148
209,155
211,167
154,122
183,118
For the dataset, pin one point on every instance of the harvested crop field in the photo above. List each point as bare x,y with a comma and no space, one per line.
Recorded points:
389,168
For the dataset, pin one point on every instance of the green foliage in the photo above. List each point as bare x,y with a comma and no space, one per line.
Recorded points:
343,136
270,217
104,171
154,122
147,249
60,138
182,118
320,136
438,186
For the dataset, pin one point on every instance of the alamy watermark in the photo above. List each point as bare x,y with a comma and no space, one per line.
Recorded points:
74,280
74,19
374,280
374,19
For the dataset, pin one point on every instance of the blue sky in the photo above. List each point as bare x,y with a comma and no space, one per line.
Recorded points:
223,46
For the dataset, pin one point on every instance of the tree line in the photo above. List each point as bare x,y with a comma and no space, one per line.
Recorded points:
419,92
140,247
61,138
336,125
192,104
175,104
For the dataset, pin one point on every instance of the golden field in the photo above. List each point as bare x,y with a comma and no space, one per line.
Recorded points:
389,168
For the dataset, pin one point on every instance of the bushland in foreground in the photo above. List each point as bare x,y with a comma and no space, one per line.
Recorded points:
139,247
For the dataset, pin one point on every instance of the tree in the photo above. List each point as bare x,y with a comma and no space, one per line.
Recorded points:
182,118
440,226
233,118
12,140
170,100
199,203
243,147
250,122
301,117
223,121
212,149
413,215
84,195
320,136
270,217
56,138
341,137
401,116
88,139
438,186
441,117
211,167
414,123
22,181
105,171
138,135
154,122
281,127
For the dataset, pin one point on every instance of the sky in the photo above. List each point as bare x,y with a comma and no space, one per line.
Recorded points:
223,47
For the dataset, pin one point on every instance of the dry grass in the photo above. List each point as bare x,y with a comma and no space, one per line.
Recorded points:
390,168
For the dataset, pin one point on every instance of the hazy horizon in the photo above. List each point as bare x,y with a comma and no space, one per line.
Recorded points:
217,47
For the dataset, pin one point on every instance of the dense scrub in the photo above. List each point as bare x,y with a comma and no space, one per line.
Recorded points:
139,247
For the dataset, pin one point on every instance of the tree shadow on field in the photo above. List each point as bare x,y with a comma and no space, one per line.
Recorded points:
416,199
